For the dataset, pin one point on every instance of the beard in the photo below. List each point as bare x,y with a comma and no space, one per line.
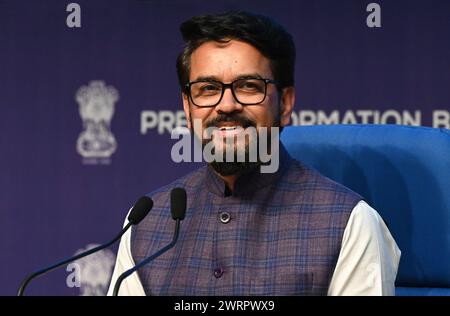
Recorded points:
235,167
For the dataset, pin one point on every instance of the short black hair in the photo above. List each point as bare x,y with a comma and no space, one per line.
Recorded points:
270,38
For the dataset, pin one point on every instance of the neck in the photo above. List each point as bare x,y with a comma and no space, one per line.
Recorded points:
229,181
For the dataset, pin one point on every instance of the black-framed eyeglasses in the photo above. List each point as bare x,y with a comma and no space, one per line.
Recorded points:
246,91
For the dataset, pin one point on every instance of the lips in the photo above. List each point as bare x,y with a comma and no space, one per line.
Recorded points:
227,124
230,125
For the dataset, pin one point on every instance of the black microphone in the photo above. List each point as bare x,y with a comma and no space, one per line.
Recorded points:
178,210
137,214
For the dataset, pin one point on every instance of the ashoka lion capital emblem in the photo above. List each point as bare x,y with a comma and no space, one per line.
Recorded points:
96,108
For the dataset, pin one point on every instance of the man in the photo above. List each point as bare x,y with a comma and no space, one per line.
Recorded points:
246,232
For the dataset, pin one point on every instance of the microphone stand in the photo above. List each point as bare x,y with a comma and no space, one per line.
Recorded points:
127,273
61,263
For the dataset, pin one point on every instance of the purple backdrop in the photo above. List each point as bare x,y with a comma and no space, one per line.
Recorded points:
54,201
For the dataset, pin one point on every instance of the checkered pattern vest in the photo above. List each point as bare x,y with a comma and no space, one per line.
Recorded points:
276,234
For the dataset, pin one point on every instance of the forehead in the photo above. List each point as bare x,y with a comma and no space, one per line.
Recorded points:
227,61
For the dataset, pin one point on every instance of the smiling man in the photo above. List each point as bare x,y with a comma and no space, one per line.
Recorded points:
247,232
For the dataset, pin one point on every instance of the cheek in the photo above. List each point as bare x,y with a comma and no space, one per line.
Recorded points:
266,114
201,115
274,108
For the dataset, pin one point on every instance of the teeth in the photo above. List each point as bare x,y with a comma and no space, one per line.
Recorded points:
228,128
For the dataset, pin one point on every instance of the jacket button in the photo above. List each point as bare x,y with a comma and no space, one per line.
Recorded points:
225,217
218,272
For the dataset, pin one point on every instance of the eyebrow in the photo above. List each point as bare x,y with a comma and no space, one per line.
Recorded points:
241,76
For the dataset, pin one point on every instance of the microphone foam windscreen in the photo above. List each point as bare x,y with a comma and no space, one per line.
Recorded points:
178,203
140,210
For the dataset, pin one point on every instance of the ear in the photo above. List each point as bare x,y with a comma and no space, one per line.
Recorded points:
287,101
187,111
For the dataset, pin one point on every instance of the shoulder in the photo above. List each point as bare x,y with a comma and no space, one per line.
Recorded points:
155,227
320,189
160,213
190,182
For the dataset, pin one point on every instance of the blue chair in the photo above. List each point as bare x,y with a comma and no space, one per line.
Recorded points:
404,173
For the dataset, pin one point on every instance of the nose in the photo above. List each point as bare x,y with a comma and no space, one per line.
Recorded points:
228,104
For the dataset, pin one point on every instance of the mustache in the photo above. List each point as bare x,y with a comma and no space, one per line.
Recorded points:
242,120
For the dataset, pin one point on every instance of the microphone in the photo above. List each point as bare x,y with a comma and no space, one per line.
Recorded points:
137,214
178,210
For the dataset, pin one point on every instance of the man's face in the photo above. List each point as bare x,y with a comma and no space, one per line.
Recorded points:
227,62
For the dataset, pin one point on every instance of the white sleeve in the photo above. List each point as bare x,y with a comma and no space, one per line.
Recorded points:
132,285
369,257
